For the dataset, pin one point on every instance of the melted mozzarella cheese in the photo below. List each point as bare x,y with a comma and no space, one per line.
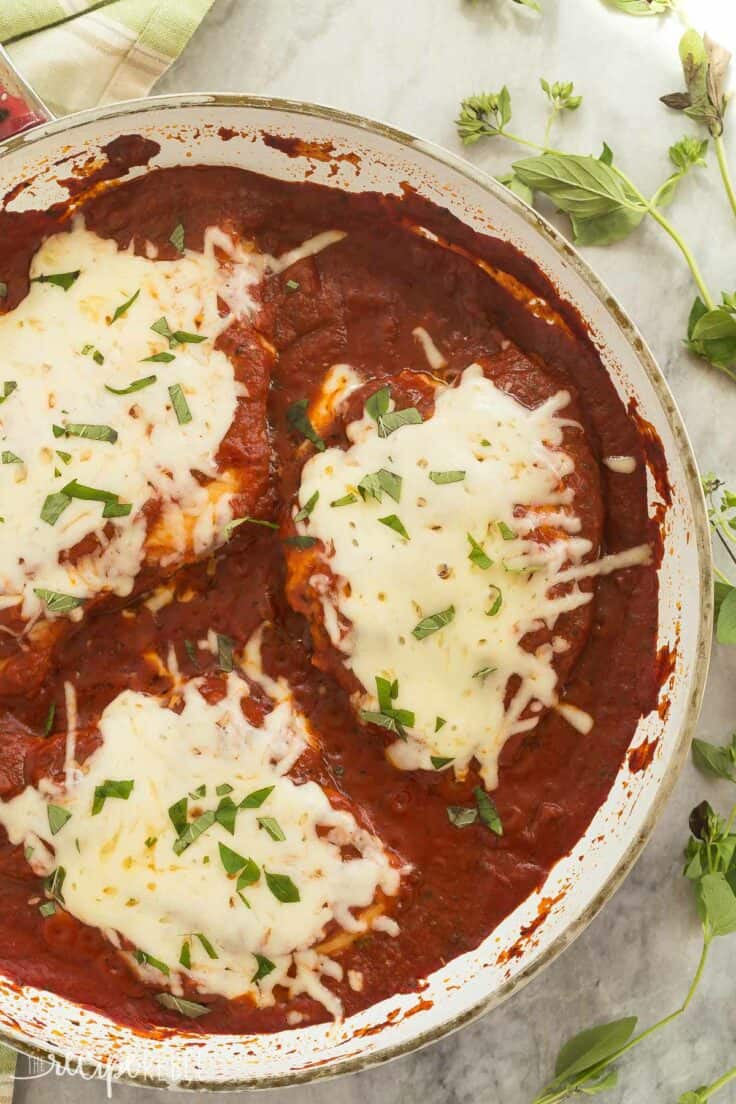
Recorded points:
124,877
381,585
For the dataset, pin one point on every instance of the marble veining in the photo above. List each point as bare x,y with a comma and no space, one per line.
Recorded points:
409,62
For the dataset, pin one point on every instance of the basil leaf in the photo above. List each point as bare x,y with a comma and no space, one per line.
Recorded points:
178,815
506,531
292,286
226,814
439,723
602,205
136,385
209,949
193,831
346,500
282,887
49,722
185,956
272,826
187,1008
151,841
201,791
300,541
440,761
54,883
8,388
237,522
440,477
48,908
265,966
180,404
377,404
298,419
487,811
249,874
496,601
159,358
511,181
460,816
125,307
307,508
58,279
223,789
88,494
376,483
53,507
57,602
117,509
111,788
88,432
255,799
726,623
176,237
225,647
147,959
431,624
477,555
395,419
58,816
594,1045
395,523
718,761
10,458
65,456
716,904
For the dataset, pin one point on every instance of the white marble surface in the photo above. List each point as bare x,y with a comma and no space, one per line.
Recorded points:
409,62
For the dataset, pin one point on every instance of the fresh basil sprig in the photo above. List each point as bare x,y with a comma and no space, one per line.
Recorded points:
722,517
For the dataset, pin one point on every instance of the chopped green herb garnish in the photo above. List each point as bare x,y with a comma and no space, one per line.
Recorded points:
395,523
191,649
231,860
484,672
151,842
180,404
255,799
265,967
282,887
300,541
431,624
48,908
506,531
395,419
447,476
477,555
487,811
439,723
176,337
440,761
136,385
187,1008
58,816
223,789
58,279
374,484
8,388
298,419
54,883
178,815
377,404
201,791
159,358
148,960
185,955
292,286
226,814
193,831
249,875
117,509
225,647
88,432
272,826
496,601
232,525
111,788
176,237
460,816
307,508
49,722
65,456
10,458
210,950
3,290
57,602
346,500
125,307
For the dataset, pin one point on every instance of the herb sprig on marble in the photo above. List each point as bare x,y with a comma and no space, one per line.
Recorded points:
587,1063
603,202
721,505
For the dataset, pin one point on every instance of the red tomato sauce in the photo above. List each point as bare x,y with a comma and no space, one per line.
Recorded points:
357,303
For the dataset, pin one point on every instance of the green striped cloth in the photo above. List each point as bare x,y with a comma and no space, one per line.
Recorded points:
78,53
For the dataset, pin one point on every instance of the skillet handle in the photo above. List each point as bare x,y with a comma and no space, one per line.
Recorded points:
20,107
